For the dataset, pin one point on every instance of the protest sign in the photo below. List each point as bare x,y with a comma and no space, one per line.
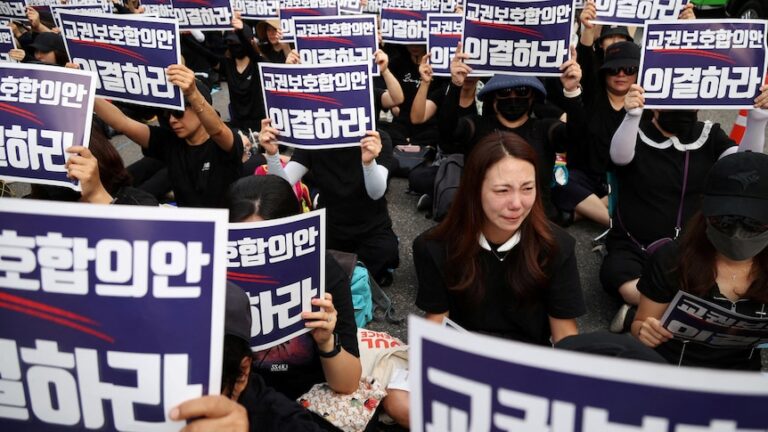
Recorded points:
350,7
203,15
159,8
7,43
703,63
444,35
13,10
280,263
296,8
92,9
691,318
319,108
517,37
405,21
470,382
129,53
636,12
257,9
109,315
337,39
579,4
373,7
45,109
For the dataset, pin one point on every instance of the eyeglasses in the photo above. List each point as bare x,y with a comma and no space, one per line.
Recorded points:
729,224
516,92
628,70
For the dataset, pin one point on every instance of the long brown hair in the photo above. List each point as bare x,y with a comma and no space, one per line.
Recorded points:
462,226
697,264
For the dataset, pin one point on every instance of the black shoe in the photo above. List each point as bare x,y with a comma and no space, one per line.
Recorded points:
425,203
564,218
385,279
622,321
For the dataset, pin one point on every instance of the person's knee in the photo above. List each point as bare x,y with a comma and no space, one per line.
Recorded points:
397,406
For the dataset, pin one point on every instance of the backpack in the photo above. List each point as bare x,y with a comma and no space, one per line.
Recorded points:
362,300
446,184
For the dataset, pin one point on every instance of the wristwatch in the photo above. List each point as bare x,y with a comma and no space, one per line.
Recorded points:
336,348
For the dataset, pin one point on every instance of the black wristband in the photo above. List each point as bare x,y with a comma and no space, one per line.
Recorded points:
336,348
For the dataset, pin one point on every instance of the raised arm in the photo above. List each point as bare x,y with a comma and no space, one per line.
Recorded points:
757,119
623,142
293,171
374,175
422,108
394,95
184,78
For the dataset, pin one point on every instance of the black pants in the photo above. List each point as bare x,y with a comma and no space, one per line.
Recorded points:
151,175
377,249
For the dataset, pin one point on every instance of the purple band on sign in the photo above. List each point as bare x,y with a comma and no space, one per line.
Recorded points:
405,21
637,12
203,15
257,9
296,8
339,39
444,35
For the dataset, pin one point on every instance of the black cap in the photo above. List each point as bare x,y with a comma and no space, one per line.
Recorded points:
503,81
237,320
231,38
737,185
621,54
614,30
48,41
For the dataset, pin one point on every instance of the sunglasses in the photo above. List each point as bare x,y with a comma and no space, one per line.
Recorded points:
178,115
514,92
730,224
628,70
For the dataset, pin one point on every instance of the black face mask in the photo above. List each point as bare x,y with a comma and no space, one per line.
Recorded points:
237,51
513,108
740,245
679,123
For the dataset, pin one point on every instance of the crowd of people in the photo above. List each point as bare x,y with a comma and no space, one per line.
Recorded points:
691,215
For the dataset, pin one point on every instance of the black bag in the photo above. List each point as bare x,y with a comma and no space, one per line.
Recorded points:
446,184
408,160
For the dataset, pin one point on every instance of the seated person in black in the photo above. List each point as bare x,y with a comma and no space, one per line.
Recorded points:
722,258
241,71
507,102
352,182
327,354
202,154
246,403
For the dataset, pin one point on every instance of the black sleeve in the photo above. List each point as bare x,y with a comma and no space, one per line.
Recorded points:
448,121
303,157
585,56
245,36
564,297
432,294
337,283
236,152
720,140
386,155
658,282
270,410
161,142
567,135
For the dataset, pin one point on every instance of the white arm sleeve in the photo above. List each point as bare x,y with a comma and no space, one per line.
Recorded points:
623,142
754,135
198,35
375,177
292,172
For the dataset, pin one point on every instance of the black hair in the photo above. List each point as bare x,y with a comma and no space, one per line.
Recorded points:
268,196
235,350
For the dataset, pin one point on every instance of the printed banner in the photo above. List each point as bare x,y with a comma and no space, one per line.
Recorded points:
7,43
159,8
13,10
337,39
257,9
319,108
579,4
280,263
109,315
444,34
129,53
45,110
517,37
637,12
91,9
350,7
295,8
203,15
470,382
405,21
373,7
691,318
700,64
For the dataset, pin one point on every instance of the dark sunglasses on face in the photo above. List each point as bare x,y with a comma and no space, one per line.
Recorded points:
178,115
517,92
729,224
628,70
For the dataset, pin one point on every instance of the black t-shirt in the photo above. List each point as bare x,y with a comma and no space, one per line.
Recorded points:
338,174
660,283
271,411
200,175
246,100
651,184
499,314
293,367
